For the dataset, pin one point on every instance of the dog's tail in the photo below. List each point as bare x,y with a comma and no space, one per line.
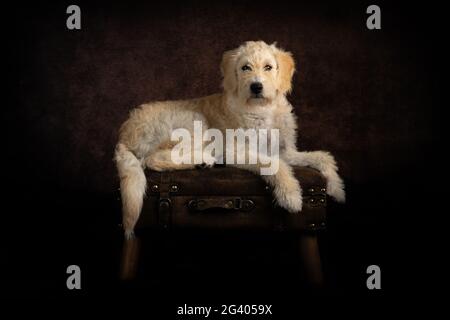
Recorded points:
133,184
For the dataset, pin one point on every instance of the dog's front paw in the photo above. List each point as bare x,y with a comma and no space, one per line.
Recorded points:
129,234
328,166
205,165
289,199
208,162
293,203
335,189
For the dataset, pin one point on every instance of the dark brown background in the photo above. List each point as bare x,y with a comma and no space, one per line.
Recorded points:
366,96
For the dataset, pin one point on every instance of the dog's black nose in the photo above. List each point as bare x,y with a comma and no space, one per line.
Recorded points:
256,87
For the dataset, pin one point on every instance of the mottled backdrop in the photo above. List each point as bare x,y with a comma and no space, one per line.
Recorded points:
364,95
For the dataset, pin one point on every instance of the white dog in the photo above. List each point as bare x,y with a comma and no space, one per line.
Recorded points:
256,79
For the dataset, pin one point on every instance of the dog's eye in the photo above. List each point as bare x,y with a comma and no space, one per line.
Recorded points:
246,68
268,67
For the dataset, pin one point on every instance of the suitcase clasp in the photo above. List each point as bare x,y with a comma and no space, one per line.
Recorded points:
202,204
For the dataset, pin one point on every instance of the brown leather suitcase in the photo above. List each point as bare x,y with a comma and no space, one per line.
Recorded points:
227,198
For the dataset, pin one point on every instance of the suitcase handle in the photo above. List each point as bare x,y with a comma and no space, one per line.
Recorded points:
201,204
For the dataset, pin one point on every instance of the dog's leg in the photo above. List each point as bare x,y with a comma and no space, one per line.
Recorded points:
286,188
325,163
161,160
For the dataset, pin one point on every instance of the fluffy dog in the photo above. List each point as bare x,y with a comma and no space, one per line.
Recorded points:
256,79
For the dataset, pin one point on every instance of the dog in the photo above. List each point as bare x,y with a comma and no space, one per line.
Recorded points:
256,80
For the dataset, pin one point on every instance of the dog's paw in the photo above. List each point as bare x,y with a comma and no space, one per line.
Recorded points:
291,200
328,166
204,165
129,234
293,203
208,162
335,189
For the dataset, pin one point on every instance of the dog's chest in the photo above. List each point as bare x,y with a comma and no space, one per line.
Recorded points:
258,120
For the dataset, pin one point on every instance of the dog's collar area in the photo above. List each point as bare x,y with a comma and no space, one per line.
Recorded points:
254,116
258,102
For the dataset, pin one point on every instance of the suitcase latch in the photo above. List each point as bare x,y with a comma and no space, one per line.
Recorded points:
164,212
202,204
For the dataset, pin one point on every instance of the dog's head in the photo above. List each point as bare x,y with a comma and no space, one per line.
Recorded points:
257,73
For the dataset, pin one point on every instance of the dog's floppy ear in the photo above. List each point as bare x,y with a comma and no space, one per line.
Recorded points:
227,67
286,69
